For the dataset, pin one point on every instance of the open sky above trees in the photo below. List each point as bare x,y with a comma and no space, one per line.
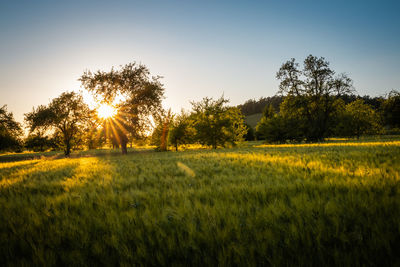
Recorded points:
201,48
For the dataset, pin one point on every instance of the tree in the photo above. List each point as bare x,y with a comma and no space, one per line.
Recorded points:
357,119
391,110
181,130
36,142
66,115
94,135
140,96
159,137
278,127
250,135
312,93
216,124
10,131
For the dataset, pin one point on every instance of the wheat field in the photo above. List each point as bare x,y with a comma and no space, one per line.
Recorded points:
335,203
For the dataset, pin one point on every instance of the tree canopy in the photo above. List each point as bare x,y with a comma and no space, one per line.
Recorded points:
311,93
66,116
217,124
140,96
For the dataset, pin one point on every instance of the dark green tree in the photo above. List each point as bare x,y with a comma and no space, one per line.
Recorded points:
217,124
391,110
10,131
357,119
311,94
140,95
250,134
181,131
37,142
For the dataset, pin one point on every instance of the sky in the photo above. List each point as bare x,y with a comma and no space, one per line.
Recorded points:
201,48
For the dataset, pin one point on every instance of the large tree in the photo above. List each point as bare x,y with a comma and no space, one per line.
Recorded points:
311,93
10,131
140,96
65,116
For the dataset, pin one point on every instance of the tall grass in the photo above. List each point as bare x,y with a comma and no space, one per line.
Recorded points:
329,204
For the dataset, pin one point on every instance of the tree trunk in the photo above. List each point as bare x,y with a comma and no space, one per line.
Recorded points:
67,150
123,139
124,148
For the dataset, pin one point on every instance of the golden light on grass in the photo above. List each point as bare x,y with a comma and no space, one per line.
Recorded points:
105,111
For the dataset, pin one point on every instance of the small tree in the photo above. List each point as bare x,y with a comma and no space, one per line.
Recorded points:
279,129
357,119
159,137
37,142
66,116
10,131
216,124
250,135
181,131
94,135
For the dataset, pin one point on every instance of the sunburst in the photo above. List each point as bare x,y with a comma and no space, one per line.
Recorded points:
105,111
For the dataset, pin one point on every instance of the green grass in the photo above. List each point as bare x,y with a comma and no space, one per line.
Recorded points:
253,119
337,203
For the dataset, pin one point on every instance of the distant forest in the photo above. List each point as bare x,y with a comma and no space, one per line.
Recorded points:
253,106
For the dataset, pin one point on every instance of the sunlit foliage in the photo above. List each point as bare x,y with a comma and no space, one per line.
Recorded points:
140,96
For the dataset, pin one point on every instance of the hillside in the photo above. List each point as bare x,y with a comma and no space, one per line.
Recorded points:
253,119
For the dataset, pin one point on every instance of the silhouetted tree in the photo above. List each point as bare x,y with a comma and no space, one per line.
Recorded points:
10,131
391,110
37,142
141,97
66,115
311,94
250,134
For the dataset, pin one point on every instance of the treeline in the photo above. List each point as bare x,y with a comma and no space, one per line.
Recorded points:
318,104
253,106
210,122
68,123
312,103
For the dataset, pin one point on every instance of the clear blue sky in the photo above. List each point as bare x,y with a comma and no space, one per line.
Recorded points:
202,48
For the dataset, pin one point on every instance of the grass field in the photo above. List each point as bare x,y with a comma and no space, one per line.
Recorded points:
336,203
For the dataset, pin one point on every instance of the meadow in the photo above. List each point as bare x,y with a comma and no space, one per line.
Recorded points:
334,203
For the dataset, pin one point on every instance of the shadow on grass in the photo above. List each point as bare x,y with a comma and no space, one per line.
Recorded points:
23,181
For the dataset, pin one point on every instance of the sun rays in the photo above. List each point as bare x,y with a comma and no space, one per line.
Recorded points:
105,111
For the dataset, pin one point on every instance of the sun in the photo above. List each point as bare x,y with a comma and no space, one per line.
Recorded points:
105,111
